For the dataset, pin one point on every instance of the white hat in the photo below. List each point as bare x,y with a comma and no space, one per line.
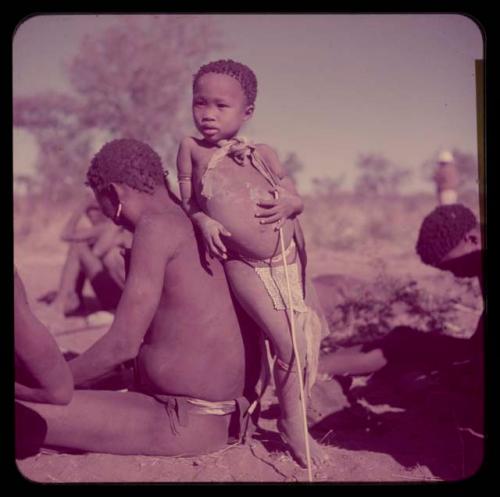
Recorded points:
444,157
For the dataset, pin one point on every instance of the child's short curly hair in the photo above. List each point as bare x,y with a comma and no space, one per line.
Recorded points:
242,73
442,230
126,161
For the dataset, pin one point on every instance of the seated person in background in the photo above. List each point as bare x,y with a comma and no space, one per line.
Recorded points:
94,253
449,239
41,373
436,380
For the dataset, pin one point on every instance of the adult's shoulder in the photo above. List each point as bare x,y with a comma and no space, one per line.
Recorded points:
161,232
161,226
159,222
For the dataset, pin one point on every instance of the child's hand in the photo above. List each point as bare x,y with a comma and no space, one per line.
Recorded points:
212,231
284,205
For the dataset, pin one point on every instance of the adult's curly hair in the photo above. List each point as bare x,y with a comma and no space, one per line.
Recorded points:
242,73
126,161
442,230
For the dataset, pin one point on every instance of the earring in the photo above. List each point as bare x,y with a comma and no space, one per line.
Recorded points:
118,212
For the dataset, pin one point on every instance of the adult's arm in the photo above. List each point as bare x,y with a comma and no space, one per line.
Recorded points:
151,250
39,355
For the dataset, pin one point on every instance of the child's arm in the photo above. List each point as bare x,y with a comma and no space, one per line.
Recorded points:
210,228
184,175
288,203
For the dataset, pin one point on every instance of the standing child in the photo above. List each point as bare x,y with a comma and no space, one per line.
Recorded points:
239,196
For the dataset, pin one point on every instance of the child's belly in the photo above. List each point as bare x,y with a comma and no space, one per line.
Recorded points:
234,193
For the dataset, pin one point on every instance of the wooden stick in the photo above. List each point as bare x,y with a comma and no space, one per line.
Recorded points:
295,351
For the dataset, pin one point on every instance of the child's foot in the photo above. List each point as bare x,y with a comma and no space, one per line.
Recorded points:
292,433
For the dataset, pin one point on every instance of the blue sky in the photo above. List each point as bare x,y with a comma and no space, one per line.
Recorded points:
330,86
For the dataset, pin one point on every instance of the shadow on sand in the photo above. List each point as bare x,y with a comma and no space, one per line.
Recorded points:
424,407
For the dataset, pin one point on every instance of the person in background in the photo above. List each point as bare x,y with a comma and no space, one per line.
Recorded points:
446,179
95,253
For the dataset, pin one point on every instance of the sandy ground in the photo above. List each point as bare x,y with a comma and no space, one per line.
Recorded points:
367,440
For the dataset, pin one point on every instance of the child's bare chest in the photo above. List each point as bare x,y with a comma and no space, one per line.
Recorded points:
227,177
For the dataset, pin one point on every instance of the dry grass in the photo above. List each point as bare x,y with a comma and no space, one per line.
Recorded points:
346,222
373,237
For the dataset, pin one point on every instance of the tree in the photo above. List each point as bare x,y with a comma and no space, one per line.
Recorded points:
135,77
327,186
132,80
379,176
63,143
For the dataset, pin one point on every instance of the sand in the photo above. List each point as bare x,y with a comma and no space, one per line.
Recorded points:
367,440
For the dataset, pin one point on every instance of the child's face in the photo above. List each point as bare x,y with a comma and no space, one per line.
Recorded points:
219,107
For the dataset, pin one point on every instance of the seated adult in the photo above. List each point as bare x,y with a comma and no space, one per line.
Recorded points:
41,373
196,363
94,254
435,380
449,239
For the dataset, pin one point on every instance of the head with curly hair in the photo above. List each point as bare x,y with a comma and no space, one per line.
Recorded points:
224,95
448,233
240,72
125,162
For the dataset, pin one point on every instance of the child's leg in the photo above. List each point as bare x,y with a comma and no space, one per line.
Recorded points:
253,297
291,423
